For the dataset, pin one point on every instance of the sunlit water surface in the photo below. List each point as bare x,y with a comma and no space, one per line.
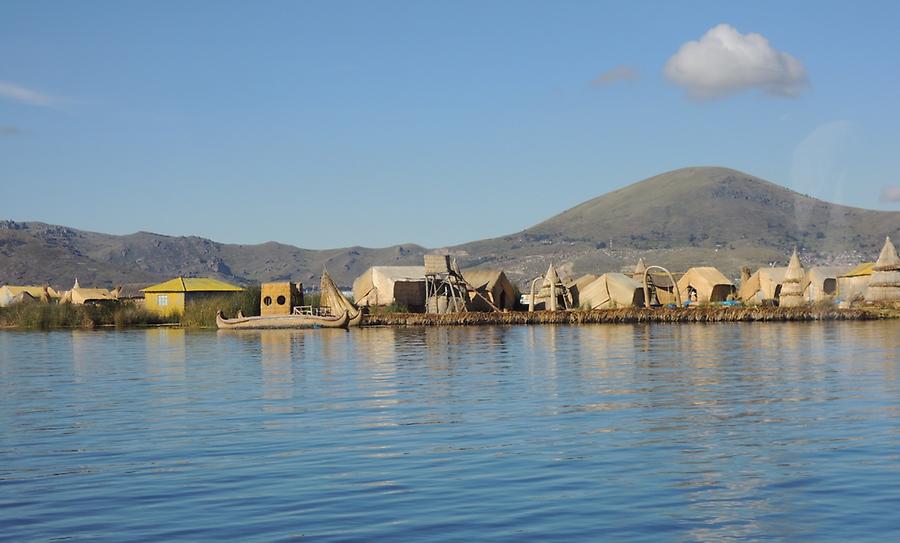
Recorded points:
682,432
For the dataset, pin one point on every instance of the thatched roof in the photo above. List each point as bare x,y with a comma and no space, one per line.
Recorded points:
10,294
710,284
32,290
612,290
492,286
483,279
762,284
553,288
640,267
884,285
552,277
583,281
887,259
81,295
792,288
130,291
794,273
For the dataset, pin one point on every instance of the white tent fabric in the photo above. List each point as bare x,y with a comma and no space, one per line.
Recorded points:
386,285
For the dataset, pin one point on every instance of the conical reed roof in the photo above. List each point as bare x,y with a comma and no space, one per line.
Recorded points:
884,284
791,287
887,260
794,273
640,268
552,288
551,277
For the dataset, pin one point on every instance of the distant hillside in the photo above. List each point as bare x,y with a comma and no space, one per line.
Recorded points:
40,253
692,216
686,217
714,207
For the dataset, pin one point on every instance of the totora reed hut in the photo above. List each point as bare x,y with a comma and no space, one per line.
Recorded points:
493,286
705,284
10,294
610,291
820,283
851,286
792,287
79,295
578,285
884,285
763,287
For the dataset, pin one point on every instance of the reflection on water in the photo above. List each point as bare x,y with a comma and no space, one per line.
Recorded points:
277,364
685,432
169,360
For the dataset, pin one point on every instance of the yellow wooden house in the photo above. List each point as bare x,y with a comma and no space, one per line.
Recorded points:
169,298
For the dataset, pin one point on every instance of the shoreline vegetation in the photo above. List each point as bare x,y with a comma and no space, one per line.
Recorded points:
124,314
202,314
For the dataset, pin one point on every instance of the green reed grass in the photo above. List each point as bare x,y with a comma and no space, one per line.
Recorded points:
45,316
201,313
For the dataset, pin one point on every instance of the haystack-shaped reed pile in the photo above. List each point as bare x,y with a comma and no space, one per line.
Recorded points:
625,315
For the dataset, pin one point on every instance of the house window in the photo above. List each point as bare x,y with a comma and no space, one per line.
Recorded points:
267,300
162,300
281,300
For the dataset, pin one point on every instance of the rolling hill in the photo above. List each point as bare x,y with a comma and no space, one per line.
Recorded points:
697,216
692,216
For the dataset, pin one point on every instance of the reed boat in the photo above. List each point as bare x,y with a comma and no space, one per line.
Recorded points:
356,319
281,322
331,299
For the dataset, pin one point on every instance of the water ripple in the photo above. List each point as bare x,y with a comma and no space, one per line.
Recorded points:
685,432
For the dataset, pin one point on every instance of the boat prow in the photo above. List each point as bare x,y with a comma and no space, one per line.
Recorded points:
281,322
356,319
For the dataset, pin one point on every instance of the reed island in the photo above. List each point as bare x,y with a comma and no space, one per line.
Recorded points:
439,293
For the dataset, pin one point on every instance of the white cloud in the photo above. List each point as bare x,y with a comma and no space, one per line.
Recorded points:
890,194
28,96
725,62
615,75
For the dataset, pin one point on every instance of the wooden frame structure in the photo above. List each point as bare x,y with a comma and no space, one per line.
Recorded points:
445,289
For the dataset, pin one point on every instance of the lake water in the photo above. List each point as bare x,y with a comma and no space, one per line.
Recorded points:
668,432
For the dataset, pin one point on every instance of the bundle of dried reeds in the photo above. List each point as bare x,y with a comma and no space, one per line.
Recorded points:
624,315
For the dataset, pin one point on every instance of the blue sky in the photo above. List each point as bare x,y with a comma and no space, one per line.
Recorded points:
246,122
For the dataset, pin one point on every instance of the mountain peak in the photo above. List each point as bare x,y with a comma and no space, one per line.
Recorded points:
700,215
